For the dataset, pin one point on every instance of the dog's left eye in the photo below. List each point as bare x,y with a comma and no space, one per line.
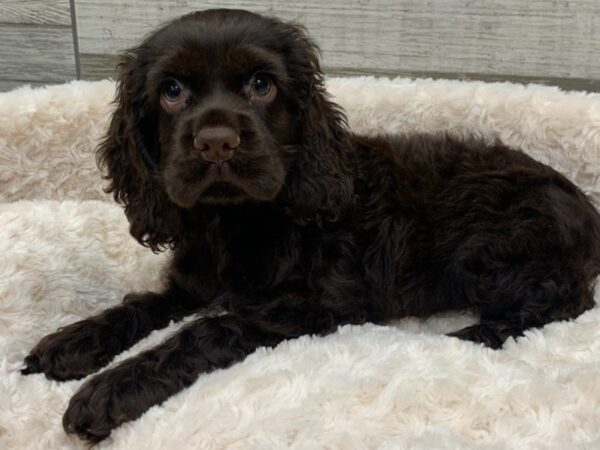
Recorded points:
261,85
262,88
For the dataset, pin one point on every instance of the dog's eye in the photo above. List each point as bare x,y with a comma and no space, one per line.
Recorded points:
261,85
174,96
172,91
261,88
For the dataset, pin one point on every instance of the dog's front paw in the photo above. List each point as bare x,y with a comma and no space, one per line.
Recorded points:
71,353
89,414
107,400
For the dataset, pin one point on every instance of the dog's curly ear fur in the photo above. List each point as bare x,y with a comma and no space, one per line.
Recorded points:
320,186
129,155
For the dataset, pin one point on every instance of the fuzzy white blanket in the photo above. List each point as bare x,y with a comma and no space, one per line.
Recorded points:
65,253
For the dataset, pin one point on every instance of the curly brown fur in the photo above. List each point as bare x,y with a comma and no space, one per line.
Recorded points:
301,226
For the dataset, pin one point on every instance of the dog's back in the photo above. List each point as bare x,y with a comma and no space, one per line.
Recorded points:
457,224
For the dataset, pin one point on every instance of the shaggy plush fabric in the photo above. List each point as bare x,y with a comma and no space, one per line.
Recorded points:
66,254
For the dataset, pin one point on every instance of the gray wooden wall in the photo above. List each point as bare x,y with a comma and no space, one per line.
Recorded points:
550,41
36,42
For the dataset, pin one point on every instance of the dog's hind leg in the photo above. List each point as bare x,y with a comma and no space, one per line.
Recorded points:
510,303
527,260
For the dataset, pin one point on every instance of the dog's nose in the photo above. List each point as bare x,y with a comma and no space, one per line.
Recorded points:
216,143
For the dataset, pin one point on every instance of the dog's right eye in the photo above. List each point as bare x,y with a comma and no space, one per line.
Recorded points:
174,96
172,91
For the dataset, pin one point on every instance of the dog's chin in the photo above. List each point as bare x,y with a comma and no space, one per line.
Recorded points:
223,185
222,193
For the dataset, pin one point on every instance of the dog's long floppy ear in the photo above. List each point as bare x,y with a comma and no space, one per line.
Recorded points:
320,184
129,154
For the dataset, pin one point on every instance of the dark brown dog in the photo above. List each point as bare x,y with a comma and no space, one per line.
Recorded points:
225,147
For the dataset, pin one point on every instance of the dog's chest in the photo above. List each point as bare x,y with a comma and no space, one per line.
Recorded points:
243,257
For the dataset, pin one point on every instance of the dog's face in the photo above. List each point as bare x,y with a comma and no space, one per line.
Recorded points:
220,87
223,107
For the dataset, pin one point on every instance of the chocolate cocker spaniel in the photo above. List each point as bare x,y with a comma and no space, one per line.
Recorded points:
225,147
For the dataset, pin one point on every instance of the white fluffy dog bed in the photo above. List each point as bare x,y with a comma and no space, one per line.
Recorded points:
66,253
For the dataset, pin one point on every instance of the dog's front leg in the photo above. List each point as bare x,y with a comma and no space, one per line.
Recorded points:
85,346
125,392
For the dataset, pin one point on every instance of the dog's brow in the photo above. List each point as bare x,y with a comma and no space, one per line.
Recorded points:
253,59
168,67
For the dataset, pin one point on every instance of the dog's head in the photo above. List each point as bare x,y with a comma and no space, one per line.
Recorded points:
224,107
